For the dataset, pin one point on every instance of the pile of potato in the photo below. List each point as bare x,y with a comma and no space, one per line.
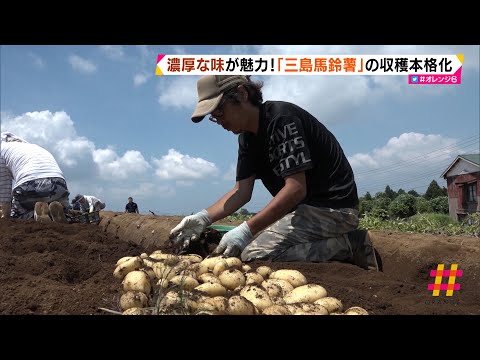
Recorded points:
162,283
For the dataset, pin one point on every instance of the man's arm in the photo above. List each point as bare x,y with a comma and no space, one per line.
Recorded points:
292,194
232,200
136,209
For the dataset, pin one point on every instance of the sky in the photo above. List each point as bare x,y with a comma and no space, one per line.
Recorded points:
118,130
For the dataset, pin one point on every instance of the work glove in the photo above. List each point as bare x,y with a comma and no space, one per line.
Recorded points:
234,241
189,229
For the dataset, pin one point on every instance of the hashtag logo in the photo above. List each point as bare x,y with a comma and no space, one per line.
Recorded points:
439,274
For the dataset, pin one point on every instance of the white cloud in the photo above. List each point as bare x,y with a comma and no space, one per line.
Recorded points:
177,166
73,152
77,156
38,62
184,183
179,93
111,166
82,65
409,161
140,79
147,57
41,127
114,52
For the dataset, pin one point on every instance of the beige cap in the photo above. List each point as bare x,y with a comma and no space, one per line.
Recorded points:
210,90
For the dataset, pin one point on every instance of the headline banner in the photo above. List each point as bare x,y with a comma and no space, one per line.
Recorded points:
423,65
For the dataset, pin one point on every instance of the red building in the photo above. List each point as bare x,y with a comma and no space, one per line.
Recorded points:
463,183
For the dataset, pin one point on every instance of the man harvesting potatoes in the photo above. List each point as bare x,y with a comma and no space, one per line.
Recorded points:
313,213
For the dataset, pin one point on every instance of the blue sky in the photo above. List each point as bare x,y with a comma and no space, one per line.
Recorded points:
117,130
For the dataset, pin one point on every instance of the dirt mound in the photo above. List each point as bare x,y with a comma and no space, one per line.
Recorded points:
67,269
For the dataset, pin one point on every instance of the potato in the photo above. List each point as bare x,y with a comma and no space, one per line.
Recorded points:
265,271
330,303
257,296
232,278
209,278
151,274
294,277
356,310
125,258
217,303
148,262
212,289
184,282
307,308
126,266
300,312
163,283
283,284
199,269
253,278
227,263
210,312
137,281
168,259
212,261
305,293
132,299
277,300
246,268
190,273
219,267
174,301
180,266
272,290
193,258
163,271
136,311
238,305
276,310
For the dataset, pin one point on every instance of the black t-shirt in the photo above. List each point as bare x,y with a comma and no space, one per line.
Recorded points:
131,207
290,140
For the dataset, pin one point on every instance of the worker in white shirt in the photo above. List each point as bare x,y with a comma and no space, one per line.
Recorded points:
89,203
29,174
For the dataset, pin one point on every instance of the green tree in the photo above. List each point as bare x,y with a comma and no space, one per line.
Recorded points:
423,205
439,204
413,192
367,196
381,203
390,193
243,212
403,206
400,192
365,206
434,191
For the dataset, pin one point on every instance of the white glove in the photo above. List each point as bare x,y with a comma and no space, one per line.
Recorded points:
190,228
234,241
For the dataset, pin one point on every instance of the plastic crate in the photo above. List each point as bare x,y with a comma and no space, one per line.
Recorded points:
87,218
223,229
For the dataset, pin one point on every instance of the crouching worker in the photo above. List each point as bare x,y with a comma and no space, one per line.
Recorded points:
29,175
313,215
90,204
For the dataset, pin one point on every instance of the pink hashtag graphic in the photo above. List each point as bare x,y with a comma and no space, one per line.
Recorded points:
439,274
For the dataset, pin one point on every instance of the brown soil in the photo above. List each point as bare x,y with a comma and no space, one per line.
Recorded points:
67,268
